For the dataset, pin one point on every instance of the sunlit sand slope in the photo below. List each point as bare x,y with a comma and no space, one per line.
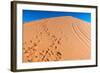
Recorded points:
56,39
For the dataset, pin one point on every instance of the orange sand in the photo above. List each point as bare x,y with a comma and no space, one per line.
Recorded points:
54,39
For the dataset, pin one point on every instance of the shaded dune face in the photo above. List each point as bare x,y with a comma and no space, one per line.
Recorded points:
56,39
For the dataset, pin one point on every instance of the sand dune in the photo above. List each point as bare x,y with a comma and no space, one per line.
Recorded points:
54,39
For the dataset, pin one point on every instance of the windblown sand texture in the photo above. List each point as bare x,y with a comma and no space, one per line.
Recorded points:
56,39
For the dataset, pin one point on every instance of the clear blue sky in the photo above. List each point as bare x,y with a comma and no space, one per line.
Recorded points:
32,15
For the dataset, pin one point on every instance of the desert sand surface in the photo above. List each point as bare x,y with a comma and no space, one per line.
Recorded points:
56,39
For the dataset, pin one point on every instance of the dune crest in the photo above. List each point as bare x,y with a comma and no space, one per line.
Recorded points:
54,39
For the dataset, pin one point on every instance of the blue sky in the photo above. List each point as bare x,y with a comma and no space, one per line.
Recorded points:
33,15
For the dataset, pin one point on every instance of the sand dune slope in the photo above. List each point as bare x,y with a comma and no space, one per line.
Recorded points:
54,39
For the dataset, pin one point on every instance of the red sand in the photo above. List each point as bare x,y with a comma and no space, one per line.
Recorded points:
54,39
